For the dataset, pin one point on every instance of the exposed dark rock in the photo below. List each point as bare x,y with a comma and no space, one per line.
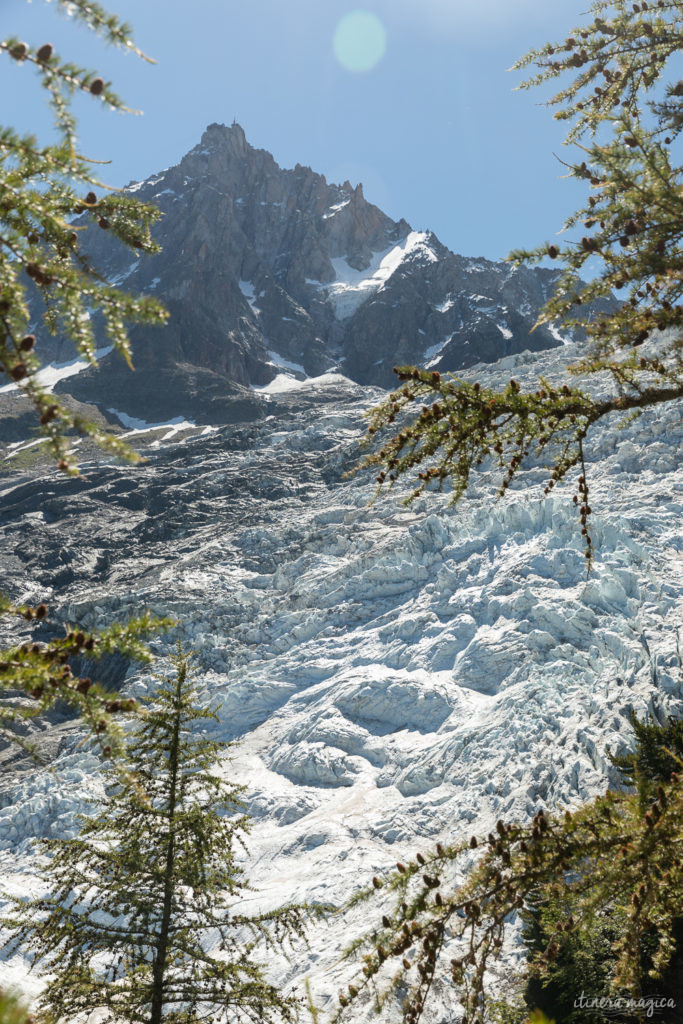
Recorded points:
267,270
193,392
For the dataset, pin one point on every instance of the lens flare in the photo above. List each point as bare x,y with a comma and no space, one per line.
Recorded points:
360,41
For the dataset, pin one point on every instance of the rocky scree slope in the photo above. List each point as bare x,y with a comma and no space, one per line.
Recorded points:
392,674
268,271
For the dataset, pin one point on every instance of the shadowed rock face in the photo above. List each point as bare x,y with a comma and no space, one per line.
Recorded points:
265,269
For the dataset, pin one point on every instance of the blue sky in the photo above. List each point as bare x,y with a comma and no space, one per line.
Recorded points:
433,129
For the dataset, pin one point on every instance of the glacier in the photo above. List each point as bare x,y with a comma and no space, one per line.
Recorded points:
391,674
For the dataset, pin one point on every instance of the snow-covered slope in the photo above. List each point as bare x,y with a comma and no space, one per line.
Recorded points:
352,287
393,674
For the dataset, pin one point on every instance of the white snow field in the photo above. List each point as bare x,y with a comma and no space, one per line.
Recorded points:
351,288
396,675
54,372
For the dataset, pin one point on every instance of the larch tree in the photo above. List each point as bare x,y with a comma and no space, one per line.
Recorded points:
625,121
617,855
48,286
143,918
622,853
47,283
586,958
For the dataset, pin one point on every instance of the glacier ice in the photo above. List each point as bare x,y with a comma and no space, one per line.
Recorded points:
392,674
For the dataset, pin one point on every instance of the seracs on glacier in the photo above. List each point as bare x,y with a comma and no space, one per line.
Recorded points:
392,674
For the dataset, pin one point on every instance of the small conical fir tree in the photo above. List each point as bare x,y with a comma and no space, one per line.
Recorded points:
143,918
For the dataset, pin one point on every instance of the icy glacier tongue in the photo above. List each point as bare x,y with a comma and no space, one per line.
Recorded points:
393,675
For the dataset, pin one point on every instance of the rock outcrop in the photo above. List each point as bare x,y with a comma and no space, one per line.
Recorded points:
267,271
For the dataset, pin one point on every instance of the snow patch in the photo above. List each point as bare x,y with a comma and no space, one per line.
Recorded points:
247,289
283,382
138,426
54,372
20,446
351,288
285,364
135,186
333,210
433,353
557,336
119,278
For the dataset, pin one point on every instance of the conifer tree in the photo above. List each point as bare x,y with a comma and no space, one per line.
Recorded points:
583,964
599,889
625,120
151,881
586,960
47,282
658,753
48,285
437,927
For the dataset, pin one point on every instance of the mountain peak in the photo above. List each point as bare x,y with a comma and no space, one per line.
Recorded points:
232,136
267,270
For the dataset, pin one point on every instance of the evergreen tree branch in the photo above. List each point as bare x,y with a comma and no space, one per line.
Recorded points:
590,859
632,223
134,897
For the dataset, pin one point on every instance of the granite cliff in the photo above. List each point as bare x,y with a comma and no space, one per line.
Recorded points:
269,272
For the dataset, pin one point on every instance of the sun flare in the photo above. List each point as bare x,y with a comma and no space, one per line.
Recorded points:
360,41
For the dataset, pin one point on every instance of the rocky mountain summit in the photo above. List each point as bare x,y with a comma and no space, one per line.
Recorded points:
270,272
392,674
